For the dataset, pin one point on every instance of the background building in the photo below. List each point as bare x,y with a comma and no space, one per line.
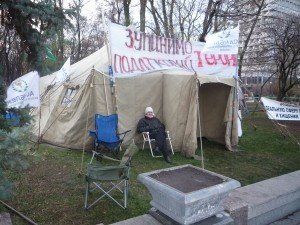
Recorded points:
255,73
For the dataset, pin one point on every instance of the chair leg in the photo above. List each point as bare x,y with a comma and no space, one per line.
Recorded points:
143,145
87,190
171,147
151,148
126,186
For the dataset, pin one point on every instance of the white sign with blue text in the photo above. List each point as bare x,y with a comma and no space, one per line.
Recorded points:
24,91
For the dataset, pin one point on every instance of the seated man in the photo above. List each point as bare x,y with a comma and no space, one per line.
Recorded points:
156,131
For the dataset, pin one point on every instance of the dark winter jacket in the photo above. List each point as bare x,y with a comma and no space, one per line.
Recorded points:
151,125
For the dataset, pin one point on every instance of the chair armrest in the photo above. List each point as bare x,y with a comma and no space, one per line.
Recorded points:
100,155
146,136
125,132
93,133
95,172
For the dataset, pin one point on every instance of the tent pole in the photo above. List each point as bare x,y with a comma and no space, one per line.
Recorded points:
199,121
39,136
112,79
235,104
107,109
86,124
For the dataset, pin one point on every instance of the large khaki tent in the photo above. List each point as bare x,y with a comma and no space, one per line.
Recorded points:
67,111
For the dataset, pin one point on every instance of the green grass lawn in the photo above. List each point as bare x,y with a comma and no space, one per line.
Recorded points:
51,191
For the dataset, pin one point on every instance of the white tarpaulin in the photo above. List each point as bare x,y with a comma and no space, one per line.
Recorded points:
134,53
281,110
64,73
24,91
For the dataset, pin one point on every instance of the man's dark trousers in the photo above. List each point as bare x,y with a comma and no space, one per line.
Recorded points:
160,141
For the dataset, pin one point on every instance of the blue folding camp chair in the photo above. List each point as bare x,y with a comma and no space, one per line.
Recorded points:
106,133
13,118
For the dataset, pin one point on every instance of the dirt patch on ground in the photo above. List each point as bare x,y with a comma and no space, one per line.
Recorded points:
187,179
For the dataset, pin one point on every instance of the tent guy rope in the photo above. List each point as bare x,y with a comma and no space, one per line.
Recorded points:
282,129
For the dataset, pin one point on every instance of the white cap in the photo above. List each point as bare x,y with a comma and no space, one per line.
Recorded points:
148,109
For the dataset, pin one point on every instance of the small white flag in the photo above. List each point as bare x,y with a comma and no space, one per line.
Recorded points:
24,91
64,73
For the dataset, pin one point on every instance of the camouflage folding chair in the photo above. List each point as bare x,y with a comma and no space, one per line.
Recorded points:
108,179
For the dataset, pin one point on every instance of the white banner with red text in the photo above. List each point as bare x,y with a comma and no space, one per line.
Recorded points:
24,91
134,53
280,110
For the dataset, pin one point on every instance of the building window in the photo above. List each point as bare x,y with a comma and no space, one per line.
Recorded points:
68,97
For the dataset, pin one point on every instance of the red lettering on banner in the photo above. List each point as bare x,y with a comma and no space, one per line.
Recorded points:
148,60
223,59
124,58
163,45
143,65
171,46
199,64
163,62
210,60
151,43
182,64
191,65
233,58
135,65
188,48
178,46
131,43
139,40
117,61
147,37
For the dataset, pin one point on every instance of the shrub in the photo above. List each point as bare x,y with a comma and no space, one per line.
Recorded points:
14,146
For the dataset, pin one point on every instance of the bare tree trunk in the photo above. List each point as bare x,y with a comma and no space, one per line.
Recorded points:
78,56
126,4
165,19
143,4
157,30
171,25
60,37
210,12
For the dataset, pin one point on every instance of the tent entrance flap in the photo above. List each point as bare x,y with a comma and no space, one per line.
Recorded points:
215,111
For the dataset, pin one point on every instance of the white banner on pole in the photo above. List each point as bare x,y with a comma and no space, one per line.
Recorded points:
134,53
280,110
64,73
225,42
24,91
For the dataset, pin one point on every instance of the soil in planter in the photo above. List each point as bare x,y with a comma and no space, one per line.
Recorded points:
187,179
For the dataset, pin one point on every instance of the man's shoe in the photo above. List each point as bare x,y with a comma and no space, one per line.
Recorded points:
156,151
168,159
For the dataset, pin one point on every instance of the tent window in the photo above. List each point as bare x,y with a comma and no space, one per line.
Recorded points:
69,95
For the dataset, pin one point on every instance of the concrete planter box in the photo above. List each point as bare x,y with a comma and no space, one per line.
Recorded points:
182,192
